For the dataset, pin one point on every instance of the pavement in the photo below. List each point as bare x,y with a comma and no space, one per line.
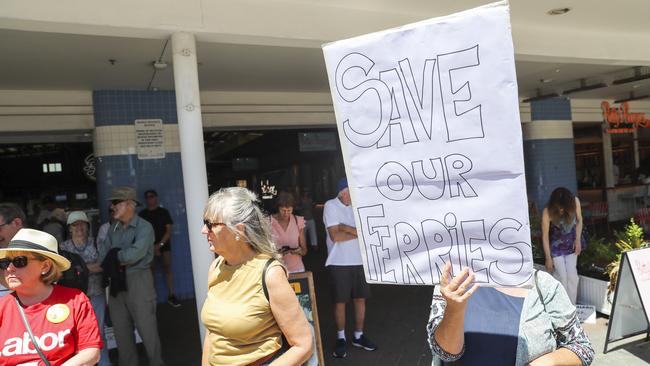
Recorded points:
395,320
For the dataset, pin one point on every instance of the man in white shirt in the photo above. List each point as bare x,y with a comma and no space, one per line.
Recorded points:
12,219
346,268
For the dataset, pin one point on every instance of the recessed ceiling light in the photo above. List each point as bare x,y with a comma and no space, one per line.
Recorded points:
636,86
544,81
558,11
557,70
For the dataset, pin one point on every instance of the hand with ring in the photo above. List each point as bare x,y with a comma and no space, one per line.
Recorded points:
457,290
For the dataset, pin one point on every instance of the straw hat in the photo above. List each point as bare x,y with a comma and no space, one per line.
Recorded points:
29,240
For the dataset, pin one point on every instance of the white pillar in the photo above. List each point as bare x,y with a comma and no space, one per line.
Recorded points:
195,178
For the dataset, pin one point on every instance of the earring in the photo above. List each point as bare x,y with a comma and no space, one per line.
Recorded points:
42,273
237,237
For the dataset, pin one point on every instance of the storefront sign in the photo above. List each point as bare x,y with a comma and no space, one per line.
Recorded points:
149,138
620,120
429,126
268,191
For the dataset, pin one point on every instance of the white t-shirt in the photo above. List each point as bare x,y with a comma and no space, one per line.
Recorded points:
345,253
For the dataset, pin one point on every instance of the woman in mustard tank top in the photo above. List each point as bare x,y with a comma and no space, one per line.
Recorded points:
250,304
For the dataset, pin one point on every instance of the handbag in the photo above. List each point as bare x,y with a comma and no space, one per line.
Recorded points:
29,330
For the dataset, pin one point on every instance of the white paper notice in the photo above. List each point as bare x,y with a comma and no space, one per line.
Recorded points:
429,125
150,138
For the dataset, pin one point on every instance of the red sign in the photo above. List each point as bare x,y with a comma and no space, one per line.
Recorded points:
620,120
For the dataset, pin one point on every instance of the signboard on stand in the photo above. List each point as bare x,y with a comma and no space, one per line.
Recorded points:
303,285
630,314
149,138
428,121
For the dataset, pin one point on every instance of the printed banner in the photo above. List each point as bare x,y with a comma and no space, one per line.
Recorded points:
428,120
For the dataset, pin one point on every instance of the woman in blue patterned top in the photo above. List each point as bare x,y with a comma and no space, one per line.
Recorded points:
562,239
469,325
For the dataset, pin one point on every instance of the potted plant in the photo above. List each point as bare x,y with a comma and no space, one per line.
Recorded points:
630,238
592,288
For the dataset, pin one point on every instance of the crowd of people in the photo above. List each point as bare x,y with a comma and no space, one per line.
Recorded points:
251,313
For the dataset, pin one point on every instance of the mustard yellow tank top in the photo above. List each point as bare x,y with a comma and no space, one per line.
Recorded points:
241,327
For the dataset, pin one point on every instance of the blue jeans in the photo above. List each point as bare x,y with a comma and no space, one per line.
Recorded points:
99,305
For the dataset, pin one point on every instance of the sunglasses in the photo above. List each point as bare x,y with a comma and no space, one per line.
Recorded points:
116,202
209,224
18,262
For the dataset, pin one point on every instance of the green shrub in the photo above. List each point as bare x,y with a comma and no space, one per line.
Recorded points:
630,238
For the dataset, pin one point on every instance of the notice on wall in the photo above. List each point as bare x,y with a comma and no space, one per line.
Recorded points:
630,313
150,138
428,120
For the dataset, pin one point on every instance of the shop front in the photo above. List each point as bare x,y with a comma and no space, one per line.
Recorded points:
612,158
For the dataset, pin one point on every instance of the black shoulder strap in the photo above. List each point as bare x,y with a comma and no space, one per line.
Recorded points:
29,330
539,292
266,267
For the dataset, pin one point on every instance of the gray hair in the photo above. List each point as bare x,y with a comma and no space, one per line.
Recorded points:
236,205
10,211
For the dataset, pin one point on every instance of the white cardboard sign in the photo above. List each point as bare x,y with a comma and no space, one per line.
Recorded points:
428,119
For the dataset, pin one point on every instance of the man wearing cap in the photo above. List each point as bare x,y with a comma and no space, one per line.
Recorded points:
162,224
133,236
346,268
12,219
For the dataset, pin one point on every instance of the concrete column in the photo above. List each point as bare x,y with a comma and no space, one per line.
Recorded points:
195,178
549,154
608,158
118,164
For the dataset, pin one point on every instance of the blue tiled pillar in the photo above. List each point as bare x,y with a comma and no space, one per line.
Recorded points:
549,150
118,165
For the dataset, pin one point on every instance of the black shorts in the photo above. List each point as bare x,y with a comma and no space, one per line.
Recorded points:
348,282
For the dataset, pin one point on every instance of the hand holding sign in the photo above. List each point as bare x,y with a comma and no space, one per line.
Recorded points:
458,290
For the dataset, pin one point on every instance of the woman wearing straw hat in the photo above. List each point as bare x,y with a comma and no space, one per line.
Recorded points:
43,322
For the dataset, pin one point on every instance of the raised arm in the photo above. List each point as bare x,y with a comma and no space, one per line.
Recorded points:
447,319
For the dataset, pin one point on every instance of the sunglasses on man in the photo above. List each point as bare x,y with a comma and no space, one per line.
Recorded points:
19,261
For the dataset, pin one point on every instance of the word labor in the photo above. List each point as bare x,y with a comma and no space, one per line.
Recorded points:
22,346
405,106
396,182
395,250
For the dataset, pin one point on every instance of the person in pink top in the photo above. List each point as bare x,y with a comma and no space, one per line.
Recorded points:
289,233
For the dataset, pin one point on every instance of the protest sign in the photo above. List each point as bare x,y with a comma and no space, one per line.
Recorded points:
428,120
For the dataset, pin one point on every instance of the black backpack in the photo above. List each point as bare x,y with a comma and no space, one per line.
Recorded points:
77,275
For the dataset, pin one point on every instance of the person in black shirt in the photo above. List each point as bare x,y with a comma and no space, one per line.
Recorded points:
162,225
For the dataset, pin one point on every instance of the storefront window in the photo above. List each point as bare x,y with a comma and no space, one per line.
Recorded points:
588,147
623,156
